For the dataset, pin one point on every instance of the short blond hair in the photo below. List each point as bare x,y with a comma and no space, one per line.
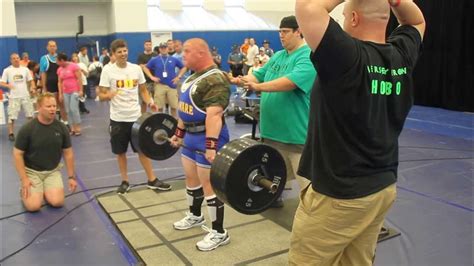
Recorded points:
42,96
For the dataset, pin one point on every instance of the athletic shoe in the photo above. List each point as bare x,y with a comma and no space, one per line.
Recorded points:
189,221
123,188
212,240
157,184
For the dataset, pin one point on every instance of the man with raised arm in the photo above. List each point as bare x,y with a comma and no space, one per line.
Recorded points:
359,103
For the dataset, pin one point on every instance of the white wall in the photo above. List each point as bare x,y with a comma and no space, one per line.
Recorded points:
129,16
7,18
36,20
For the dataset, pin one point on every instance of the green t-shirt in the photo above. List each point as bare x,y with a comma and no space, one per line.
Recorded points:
284,115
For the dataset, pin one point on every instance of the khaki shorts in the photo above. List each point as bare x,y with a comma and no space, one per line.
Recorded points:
45,180
165,95
16,104
292,155
329,231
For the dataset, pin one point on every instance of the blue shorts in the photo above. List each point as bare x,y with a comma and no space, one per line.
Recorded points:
197,141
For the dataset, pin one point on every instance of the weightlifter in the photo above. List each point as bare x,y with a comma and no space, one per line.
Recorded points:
120,84
359,104
203,98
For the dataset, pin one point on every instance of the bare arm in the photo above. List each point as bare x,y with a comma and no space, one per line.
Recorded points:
105,94
68,155
6,85
214,121
213,128
147,72
279,84
240,81
147,98
20,163
408,13
43,82
182,71
79,78
313,19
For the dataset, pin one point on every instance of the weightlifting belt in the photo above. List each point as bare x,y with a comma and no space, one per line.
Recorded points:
198,127
195,127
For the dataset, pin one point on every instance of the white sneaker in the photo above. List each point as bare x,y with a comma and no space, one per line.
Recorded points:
212,240
189,221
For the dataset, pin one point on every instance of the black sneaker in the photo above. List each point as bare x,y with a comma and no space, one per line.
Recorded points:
123,188
11,137
157,184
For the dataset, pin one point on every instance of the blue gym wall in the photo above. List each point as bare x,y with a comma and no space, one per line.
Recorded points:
223,40
8,45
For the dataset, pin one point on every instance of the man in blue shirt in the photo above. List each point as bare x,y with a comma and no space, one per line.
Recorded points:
161,70
49,75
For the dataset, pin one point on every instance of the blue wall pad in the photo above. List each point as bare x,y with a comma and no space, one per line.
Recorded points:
8,45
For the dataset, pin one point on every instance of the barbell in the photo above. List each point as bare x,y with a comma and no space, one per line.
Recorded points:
246,174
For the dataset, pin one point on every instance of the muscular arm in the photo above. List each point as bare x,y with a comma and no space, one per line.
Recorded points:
68,155
214,121
20,163
313,19
408,13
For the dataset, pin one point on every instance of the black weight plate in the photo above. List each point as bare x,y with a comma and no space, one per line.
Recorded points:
231,169
145,131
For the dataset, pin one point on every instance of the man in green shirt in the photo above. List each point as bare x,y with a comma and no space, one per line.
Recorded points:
285,81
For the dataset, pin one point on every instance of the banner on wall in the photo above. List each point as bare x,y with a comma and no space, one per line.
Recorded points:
159,37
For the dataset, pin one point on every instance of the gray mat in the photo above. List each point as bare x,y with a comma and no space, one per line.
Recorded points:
145,218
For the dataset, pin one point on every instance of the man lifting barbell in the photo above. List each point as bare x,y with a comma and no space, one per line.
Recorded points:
203,98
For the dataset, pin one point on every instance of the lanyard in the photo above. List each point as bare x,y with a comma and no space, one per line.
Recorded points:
164,63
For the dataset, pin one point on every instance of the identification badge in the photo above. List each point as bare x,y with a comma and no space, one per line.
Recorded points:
165,74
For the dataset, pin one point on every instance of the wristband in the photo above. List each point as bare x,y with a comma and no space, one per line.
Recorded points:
72,177
180,132
211,143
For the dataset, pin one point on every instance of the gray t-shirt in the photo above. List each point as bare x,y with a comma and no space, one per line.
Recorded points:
43,144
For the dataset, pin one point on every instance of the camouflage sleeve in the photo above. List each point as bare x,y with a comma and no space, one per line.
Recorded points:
212,91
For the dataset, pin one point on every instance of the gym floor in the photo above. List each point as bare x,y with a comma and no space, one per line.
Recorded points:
433,211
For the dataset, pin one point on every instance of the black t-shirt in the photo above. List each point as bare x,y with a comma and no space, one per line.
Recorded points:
359,103
143,60
43,144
